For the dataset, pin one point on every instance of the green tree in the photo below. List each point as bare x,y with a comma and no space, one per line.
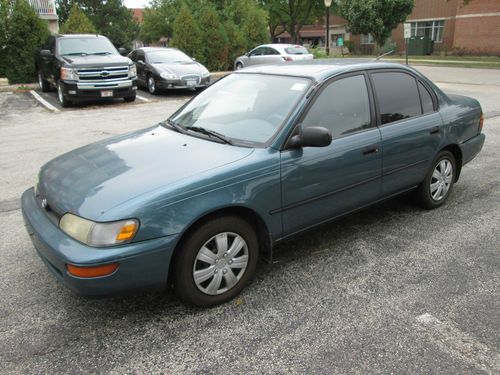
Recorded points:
158,20
378,18
77,23
291,15
63,7
214,41
23,33
186,34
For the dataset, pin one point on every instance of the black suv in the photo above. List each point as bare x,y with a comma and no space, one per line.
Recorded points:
84,67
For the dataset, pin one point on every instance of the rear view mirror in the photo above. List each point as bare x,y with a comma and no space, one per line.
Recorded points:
313,136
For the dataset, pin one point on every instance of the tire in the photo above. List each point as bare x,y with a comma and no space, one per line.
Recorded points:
203,275
151,85
129,99
63,101
438,184
43,83
239,66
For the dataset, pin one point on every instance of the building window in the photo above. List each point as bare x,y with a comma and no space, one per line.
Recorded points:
431,29
367,39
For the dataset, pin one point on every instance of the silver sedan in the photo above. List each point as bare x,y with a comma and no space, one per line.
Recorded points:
272,54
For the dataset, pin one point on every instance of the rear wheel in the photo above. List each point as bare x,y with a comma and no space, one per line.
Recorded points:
63,101
216,261
44,84
437,186
239,66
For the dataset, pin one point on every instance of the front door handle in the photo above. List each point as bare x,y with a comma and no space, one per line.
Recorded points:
434,130
370,150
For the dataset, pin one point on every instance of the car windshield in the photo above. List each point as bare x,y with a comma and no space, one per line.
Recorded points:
249,108
85,46
168,57
296,50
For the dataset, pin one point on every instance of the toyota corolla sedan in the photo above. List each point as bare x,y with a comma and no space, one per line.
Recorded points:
160,68
272,54
192,201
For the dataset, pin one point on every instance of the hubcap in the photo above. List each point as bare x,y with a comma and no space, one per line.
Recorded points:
441,179
40,81
151,84
220,263
60,93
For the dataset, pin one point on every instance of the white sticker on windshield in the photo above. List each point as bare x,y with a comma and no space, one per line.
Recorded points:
298,87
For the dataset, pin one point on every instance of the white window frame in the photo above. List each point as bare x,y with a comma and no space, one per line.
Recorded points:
435,27
367,39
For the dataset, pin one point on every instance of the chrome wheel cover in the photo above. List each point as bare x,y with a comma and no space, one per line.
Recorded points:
60,94
40,80
441,180
151,85
220,263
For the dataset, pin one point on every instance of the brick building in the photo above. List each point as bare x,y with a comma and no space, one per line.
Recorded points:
457,28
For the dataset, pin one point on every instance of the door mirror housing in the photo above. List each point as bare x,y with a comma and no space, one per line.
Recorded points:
46,53
140,62
313,136
247,54
123,51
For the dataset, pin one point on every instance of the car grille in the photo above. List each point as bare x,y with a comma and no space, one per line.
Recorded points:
191,77
102,74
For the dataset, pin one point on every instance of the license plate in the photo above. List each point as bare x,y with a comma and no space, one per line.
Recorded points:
191,83
106,93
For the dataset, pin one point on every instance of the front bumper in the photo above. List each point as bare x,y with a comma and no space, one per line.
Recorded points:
472,147
142,265
92,90
166,84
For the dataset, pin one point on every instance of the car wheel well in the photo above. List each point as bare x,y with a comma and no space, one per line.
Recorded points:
457,153
245,213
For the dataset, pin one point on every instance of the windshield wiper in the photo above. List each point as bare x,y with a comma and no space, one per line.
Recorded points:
210,133
75,54
101,53
172,125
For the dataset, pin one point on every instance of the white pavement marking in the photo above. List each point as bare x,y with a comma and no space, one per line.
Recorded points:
45,103
142,98
459,344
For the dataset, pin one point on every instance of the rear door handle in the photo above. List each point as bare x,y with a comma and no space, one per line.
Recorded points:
370,150
434,130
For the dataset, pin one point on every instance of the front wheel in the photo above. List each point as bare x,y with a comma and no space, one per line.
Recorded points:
153,90
438,183
62,98
216,261
239,66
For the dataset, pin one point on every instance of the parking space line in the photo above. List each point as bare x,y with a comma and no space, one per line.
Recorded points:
461,345
45,103
142,98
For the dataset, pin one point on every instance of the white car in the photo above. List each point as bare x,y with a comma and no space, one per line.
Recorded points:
271,54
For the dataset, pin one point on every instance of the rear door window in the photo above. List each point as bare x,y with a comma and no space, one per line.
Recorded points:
397,96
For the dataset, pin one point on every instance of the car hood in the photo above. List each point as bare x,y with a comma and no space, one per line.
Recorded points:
96,60
180,69
93,179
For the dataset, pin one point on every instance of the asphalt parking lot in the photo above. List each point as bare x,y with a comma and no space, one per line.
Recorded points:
393,289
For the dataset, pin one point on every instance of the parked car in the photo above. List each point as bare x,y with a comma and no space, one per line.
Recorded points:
272,54
161,68
193,200
83,67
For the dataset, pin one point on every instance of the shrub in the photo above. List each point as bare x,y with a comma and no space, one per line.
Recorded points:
77,23
24,34
187,35
215,44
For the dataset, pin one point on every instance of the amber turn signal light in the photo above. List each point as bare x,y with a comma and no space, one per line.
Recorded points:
93,271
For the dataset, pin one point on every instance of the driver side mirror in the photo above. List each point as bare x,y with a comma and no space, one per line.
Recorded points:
313,136
140,62
122,51
46,53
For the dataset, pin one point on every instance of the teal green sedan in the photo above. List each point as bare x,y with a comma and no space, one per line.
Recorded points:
261,155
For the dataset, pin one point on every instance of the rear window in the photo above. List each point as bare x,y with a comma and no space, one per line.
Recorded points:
296,50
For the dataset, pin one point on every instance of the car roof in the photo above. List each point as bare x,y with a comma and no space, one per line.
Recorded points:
79,36
321,69
151,49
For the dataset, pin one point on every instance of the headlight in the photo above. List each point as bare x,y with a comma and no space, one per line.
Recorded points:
132,70
205,73
68,73
98,234
168,75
